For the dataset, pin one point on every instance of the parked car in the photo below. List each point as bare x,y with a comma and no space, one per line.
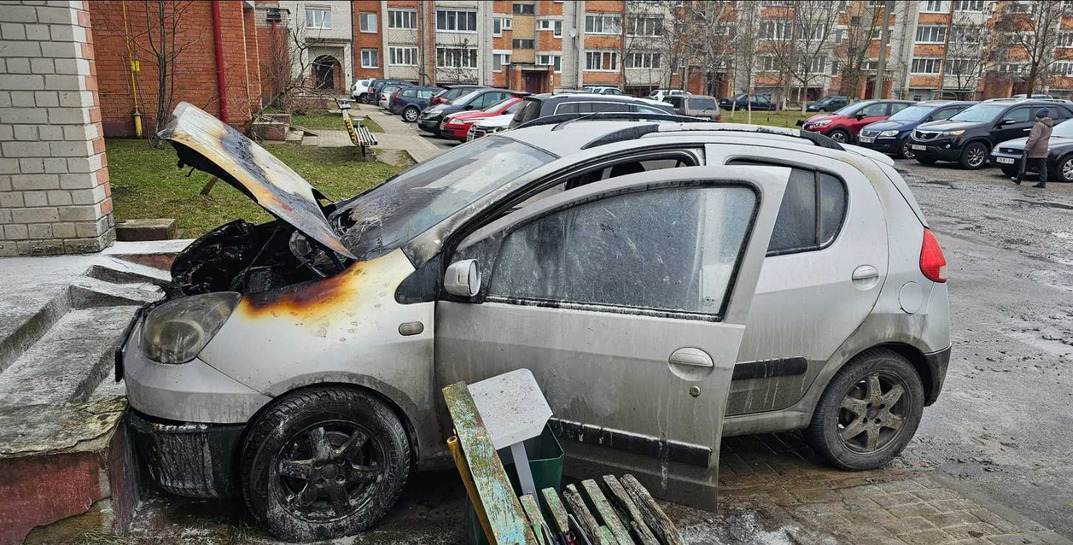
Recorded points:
1008,155
477,99
694,106
601,90
451,92
743,102
360,89
843,125
828,104
386,93
543,105
409,101
968,137
1024,96
660,94
376,85
488,125
457,125
298,363
892,136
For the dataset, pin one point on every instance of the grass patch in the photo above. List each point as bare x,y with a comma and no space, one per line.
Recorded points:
146,184
325,120
373,126
784,118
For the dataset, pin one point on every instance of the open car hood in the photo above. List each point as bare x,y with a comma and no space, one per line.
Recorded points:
208,144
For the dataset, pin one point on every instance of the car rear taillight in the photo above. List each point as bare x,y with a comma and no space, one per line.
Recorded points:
932,260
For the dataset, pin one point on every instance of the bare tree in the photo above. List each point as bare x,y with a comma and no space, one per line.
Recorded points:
1026,34
705,36
963,55
799,50
863,20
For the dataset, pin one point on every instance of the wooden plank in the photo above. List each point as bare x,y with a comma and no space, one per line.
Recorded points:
504,511
556,510
606,512
606,536
577,506
621,499
536,518
656,519
467,481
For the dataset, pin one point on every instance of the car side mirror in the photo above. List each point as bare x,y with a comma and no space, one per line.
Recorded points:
468,107
859,117
463,278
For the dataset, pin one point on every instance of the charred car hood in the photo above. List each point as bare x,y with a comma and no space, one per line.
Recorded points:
208,144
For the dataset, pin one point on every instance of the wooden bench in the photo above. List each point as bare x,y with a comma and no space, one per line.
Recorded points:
360,135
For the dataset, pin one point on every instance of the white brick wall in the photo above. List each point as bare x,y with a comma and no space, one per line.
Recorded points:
54,192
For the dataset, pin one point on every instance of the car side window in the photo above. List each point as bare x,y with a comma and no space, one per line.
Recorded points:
812,211
1018,115
944,114
566,108
666,249
897,107
873,109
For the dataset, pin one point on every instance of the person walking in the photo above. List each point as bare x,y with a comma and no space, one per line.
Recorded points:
1036,148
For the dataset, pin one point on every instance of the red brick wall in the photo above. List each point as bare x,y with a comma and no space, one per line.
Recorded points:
194,66
368,40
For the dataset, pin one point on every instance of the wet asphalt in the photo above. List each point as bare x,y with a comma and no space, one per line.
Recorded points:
1004,423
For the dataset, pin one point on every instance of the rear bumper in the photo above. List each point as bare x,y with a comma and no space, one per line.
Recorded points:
937,363
458,133
188,459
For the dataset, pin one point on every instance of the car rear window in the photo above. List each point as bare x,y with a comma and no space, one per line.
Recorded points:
530,111
701,104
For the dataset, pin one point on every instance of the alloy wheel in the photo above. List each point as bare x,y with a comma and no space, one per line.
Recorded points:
907,152
410,115
328,471
976,155
839,136
872,413
1067,170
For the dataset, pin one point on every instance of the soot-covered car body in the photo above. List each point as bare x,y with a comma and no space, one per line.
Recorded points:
640,269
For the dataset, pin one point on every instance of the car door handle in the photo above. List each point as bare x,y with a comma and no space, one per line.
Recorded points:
865,272
693,357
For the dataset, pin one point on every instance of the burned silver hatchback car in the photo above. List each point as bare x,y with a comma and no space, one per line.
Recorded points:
667,283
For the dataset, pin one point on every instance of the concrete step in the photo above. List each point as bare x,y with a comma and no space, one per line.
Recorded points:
69,362
25,317
88,292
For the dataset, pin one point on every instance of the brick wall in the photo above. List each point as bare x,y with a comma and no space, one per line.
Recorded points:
54,192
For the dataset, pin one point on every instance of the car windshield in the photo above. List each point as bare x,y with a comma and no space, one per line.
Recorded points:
912,113
980,112
851,109
407,205
462,100
1063,130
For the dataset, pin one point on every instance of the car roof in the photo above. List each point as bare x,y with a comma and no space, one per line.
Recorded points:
939,103
576,96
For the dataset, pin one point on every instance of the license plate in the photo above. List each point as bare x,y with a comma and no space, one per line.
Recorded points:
867,139
918,147
1004,160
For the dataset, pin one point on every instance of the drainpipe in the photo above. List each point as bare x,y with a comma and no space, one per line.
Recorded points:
217,42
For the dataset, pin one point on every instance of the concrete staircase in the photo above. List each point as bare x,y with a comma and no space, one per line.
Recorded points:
63,452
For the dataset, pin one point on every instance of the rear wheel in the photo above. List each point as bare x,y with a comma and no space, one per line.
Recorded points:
1065,169
869,411
323,463
410,113
839,135
974,156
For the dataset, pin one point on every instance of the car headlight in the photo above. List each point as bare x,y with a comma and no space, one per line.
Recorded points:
893,132
821,122
176,331
956,133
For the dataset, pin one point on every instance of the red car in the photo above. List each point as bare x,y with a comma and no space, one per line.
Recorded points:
844,124
457,125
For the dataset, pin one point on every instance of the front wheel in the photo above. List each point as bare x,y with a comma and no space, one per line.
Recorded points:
1065,169
323,463
869,411
974,156
410,114
840,136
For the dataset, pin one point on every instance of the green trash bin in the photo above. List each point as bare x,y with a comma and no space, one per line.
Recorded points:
545,461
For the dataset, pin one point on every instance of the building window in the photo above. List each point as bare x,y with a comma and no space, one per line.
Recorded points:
1063,68
402,19
925,66
644,26
603,23
1065,39
932,6
870,66
775,30
554,25
524,9
367,22
835,67
931,34
369,58
642,60
499,24
523,43
402,56
968,5
319,18
818,64
961,66
456,57
765,63
456,21
550,60
601,61
499,60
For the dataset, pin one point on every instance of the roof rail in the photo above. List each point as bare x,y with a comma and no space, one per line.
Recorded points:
632,133
609,116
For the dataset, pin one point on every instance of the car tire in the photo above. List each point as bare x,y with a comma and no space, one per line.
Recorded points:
904,151
347,457
974,156
410,114
840,136
865,390
1064,170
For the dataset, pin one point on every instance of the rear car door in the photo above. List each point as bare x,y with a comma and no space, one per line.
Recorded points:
627,298
1015,123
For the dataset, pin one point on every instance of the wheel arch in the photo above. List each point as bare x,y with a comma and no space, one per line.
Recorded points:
919,362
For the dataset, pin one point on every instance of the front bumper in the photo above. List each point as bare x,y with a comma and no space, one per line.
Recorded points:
885,144
943,150
430,124
458,132
822,129
188,459
937,363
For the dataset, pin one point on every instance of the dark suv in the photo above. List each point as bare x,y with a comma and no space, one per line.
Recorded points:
892,135
969,136
537,106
